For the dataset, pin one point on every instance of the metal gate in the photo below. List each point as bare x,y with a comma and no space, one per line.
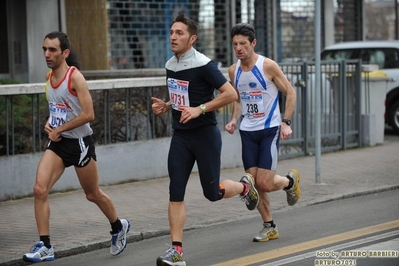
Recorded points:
340,123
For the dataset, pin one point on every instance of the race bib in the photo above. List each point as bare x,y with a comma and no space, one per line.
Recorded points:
178,93
58,114
252,104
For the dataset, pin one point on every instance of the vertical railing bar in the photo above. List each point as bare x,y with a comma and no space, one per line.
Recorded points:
130,112
358,85
33,123
149,112
12,126
109,118
7,126
39,129
105,115
127,126
324,103
306,113
148,108
344,104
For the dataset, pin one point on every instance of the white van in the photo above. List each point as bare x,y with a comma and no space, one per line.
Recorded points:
385,54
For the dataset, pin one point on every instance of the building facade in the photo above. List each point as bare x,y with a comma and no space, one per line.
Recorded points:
133,34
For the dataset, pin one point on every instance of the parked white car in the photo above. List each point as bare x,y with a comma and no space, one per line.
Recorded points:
385,54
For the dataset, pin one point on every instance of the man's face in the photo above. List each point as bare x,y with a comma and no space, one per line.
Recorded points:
242,47
180,39
52,53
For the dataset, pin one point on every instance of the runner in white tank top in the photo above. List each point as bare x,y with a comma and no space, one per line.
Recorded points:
258,81
70,143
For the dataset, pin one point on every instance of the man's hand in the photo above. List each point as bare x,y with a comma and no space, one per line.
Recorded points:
53,134
188,113
158,106
231,126
285,131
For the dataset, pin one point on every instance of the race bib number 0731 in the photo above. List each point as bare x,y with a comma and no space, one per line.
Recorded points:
178,93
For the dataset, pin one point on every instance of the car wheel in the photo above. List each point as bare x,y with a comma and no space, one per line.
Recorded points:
394,117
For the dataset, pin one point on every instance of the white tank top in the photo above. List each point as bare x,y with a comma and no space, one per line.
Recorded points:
259,98
64,106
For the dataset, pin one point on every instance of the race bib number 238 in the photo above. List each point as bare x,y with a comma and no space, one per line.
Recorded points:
252,104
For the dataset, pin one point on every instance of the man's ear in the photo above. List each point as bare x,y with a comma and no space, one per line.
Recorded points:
193,38
66,53
254,43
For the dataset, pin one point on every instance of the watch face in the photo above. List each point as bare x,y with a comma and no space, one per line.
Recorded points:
203,108
288,122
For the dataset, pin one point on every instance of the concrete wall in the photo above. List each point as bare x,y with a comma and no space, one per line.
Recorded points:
117,163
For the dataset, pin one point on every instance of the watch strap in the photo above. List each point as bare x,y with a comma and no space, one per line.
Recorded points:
287,121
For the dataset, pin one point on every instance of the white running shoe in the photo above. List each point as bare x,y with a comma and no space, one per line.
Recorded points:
118,241
171,258
39,252
267,233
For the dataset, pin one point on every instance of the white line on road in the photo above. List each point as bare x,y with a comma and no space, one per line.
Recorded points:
337,247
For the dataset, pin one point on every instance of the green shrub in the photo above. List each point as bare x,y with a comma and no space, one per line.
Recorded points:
8,81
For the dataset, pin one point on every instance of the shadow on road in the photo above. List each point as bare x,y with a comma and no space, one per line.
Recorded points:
390,135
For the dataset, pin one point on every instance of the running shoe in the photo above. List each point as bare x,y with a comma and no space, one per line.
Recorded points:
118,241
294,193
39,252
267,233
172,257
251,198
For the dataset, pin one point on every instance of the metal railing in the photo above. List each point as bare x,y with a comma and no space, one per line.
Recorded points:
340,106
123,110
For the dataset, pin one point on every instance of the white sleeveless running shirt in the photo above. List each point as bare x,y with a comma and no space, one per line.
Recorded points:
64,106
259,98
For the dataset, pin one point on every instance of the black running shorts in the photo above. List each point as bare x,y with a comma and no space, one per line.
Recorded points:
76,152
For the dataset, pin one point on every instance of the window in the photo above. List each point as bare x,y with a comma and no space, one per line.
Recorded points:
337,54
4,63
383,57
391,58
377,57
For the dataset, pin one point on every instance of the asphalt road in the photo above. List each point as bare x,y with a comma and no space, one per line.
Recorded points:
366,223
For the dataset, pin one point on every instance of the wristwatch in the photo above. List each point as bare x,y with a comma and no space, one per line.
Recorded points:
287,121
203,108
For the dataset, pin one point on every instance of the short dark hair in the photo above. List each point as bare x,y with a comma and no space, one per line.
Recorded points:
72,59
62,37
192,26
244,29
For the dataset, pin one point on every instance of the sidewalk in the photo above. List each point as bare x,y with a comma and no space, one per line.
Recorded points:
79,226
